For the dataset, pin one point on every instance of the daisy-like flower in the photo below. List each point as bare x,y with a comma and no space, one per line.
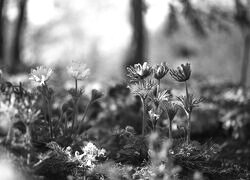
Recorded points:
41,74
182,73
78,70
139,72
160,70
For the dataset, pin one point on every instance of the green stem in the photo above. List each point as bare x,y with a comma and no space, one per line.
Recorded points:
86,111
76,85
187,94
143,116
84,115
49,118
159,86
170,130
188,128
75,99
75,113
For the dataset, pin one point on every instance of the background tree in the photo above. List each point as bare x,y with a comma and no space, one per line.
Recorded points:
17,39
138,42
216,18
2,7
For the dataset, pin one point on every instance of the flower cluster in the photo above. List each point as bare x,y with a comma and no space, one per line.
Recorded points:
89,156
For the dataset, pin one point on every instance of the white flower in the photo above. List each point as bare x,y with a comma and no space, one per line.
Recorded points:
90,148
153,115
41,74
78,70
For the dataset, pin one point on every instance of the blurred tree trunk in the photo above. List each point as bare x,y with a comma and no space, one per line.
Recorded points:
245,61
17,40
137,50
242,18
2,5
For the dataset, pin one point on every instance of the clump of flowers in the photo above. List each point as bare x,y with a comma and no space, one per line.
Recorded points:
156,101
89,157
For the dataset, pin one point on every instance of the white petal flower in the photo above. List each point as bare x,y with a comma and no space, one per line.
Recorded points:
41,74
78,70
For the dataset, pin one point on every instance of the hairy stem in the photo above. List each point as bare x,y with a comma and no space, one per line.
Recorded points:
143,115
187,94
86,111
75,114
75,99
188,128
170,130
49,118
84,115
159,86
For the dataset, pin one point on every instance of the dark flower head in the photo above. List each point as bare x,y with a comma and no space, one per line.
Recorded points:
182,73
160,70
95,95
139,72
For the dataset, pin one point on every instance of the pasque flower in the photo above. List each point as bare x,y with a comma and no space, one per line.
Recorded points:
78,70
139,72
41,74
160,70
182,73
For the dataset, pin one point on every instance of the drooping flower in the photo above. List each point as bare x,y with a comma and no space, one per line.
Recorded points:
160,70
182,73
41,74
139,72
78,70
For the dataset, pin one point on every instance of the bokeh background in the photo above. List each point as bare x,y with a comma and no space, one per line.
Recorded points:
110,34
